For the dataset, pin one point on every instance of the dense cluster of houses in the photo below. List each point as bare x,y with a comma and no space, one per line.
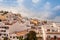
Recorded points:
14,25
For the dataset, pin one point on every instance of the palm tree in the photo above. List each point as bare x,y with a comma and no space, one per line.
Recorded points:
5,38
31,36
20,38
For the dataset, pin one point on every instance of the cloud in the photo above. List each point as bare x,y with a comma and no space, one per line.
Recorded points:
46,13
8,3
47,6
20,2
35,1
42,14
56,8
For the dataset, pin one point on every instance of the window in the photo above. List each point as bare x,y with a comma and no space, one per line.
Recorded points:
4,34
3,30
53,30
13,37
10,36
55,37
0,34
0,20
39,28
48,30
7,34
52,26
5,27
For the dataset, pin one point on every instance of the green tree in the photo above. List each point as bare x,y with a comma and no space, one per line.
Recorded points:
5,38
5,12
20,38
31,36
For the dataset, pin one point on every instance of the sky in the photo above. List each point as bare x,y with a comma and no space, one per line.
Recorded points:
41,9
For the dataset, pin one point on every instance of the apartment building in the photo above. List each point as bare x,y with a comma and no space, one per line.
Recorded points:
4,30
52,30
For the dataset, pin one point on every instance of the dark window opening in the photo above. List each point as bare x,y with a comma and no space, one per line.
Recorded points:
3,30
10,36
0,20
0,34
5,27
13,37
55,37
4,34
48,30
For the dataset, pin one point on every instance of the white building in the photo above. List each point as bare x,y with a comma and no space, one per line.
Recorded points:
4,30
